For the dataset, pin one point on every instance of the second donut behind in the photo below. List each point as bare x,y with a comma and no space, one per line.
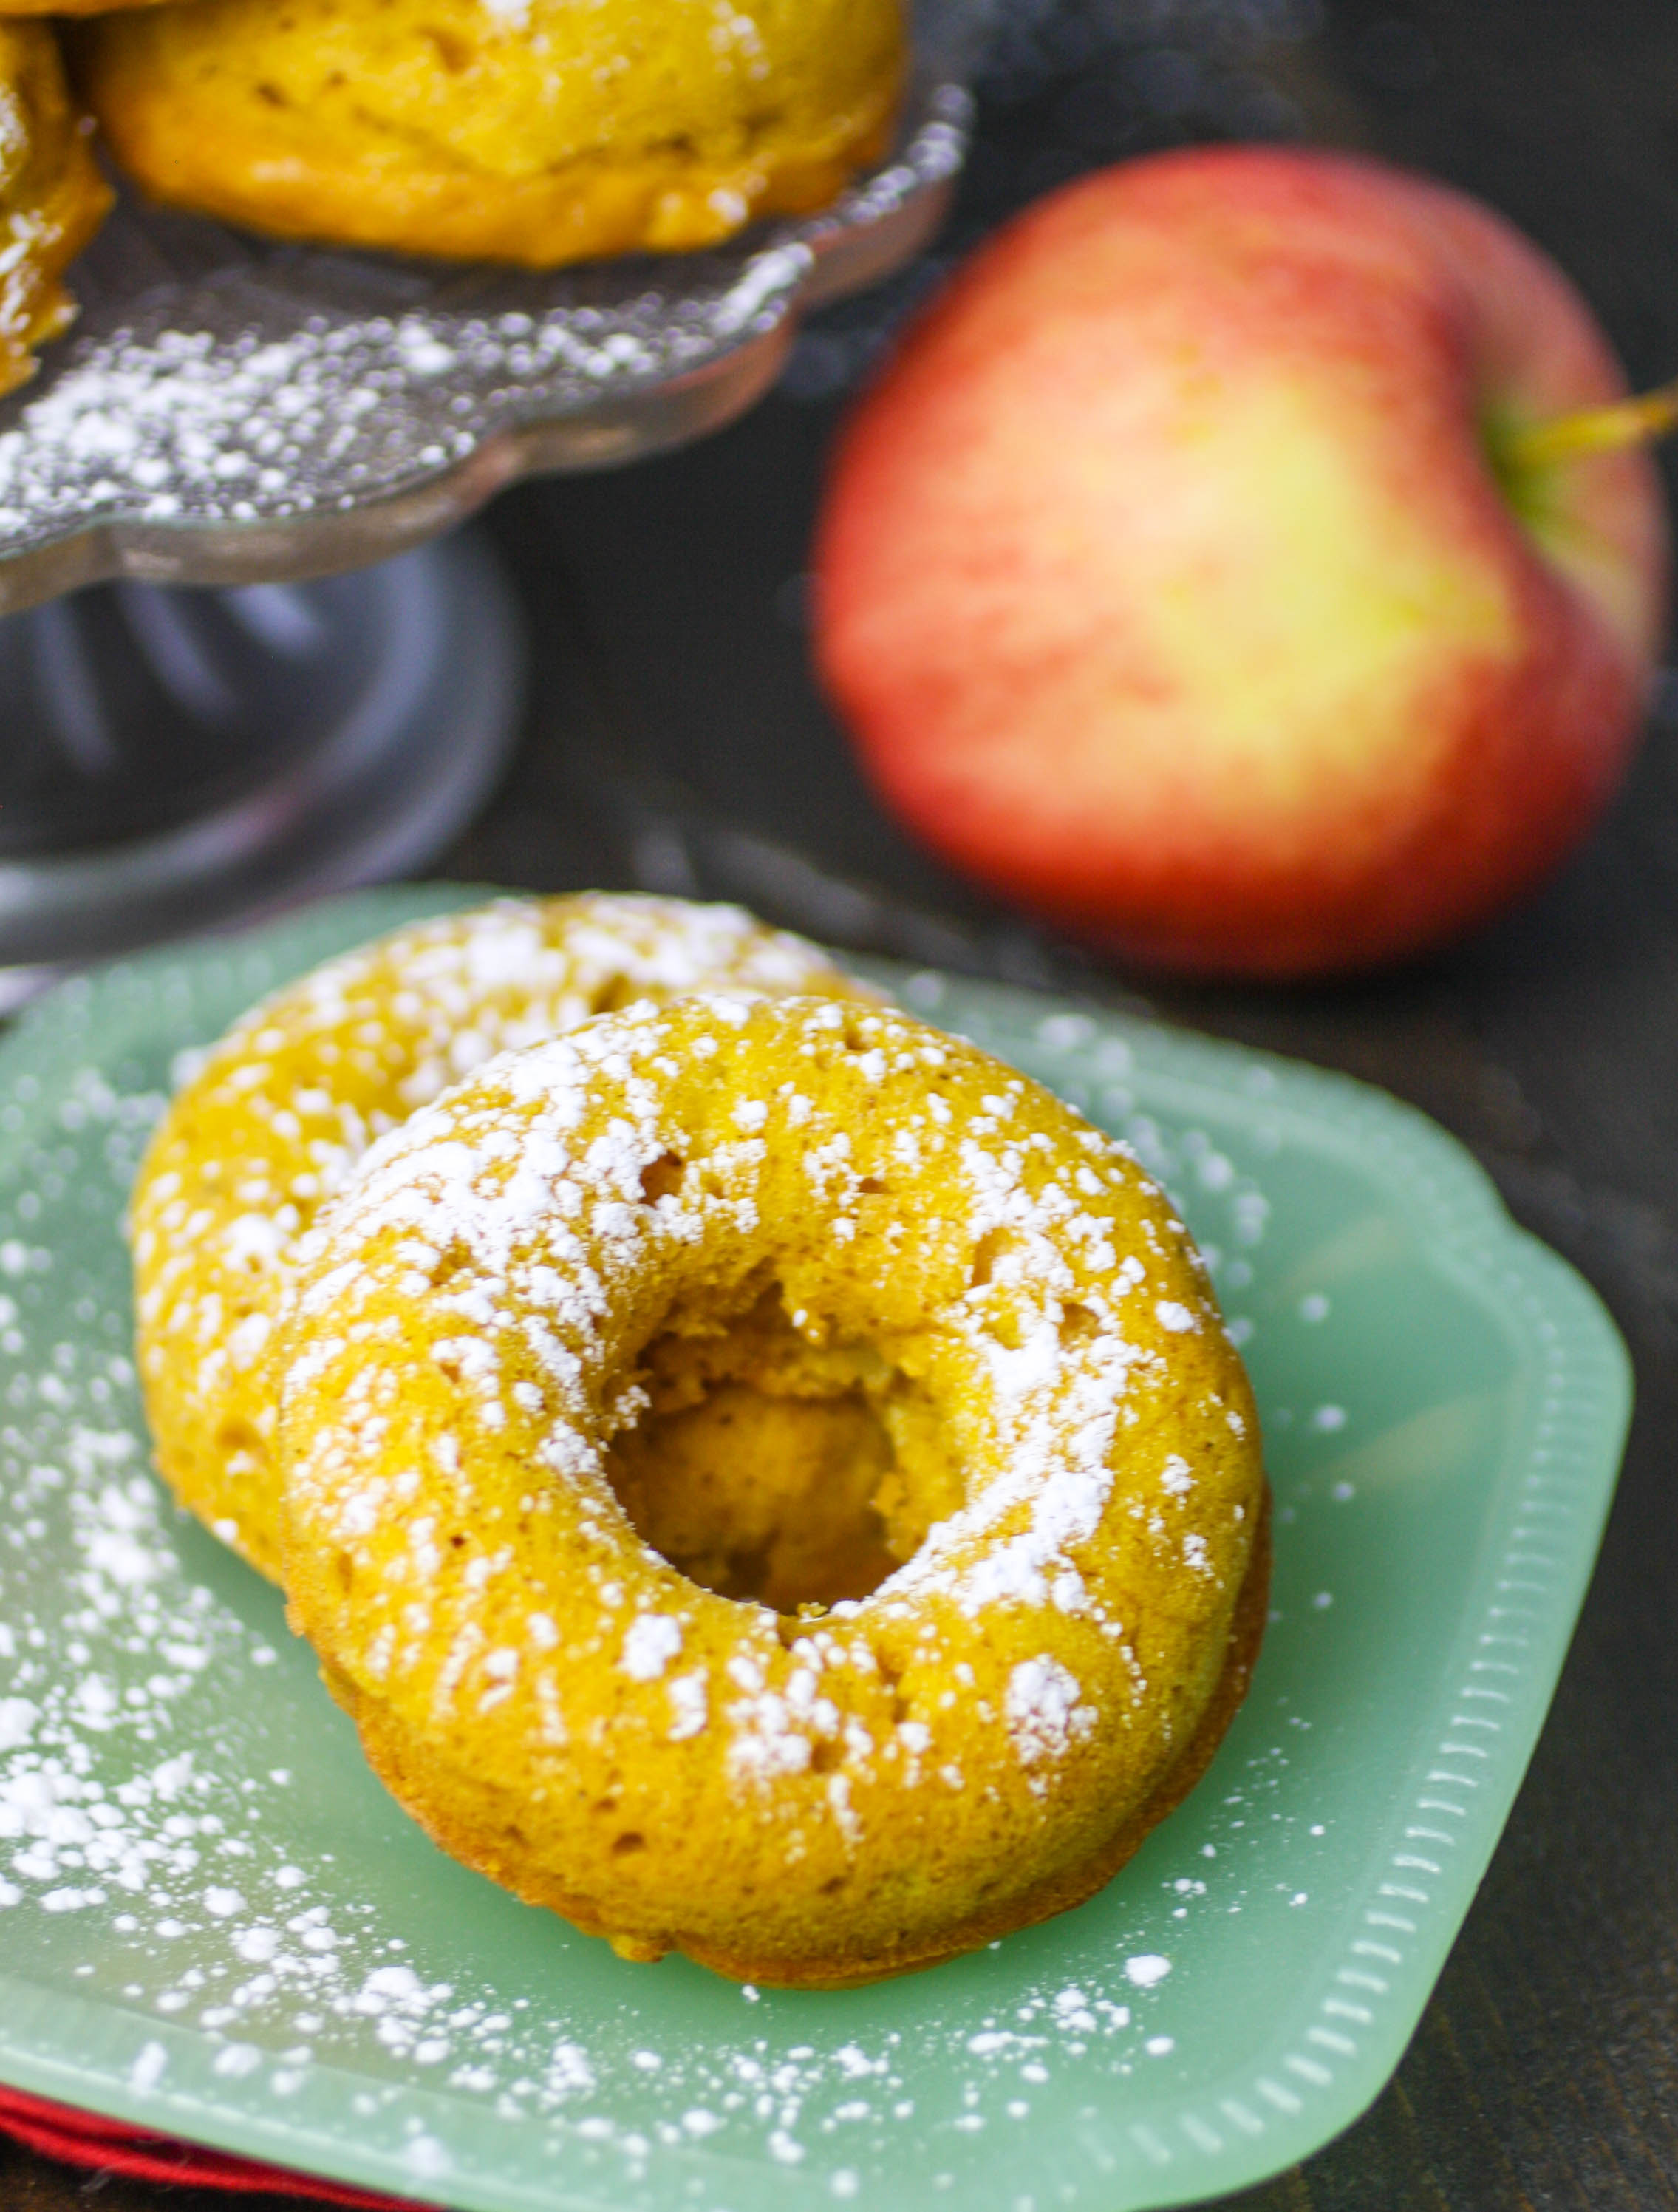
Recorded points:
283,1108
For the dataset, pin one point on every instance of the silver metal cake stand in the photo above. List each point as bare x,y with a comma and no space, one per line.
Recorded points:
296,430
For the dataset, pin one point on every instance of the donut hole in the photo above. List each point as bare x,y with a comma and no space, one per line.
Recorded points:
776,1471
761,1496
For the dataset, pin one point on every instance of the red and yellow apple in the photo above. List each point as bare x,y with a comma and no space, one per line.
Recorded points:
1199,574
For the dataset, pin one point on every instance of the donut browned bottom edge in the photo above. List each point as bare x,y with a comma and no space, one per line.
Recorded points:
391,1759
1064,1890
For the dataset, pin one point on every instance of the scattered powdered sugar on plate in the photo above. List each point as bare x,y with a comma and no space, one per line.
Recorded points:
189,1840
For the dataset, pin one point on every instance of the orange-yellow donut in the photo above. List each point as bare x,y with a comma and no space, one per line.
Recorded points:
770,1482
539,131
292,1096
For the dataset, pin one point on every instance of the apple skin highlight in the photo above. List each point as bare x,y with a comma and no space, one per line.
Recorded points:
1172,585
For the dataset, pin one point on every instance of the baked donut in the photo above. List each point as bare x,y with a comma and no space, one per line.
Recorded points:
920,1660
538,131
52,198
291,1097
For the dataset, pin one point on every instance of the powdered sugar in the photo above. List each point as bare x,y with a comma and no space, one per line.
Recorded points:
225,381
1147,1970
163,421
1043,1711
498,2009
650,1644
690,1700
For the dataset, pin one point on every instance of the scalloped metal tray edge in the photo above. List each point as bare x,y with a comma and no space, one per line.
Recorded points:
232,411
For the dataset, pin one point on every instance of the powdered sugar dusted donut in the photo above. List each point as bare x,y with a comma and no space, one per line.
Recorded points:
290,1099
536,132
770,1482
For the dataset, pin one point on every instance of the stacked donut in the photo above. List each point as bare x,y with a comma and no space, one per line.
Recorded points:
767,1480
278,1116
533,132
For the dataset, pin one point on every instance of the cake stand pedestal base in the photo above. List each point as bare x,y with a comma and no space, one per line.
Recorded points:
178,760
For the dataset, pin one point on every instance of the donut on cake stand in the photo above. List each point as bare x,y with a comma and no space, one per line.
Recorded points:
296,430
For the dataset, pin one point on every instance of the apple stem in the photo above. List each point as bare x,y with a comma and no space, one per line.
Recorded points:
1610,429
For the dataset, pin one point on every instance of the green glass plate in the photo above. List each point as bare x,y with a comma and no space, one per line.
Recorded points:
214,1922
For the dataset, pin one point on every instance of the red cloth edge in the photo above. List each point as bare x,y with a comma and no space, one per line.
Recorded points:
89,2139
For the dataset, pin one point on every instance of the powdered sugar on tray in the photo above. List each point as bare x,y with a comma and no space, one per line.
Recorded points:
277,385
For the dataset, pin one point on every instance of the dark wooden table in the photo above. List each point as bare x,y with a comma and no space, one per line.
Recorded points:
673,739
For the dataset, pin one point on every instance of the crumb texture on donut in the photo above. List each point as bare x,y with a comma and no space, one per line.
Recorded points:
52,198
771,1482
539,131
282,1110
